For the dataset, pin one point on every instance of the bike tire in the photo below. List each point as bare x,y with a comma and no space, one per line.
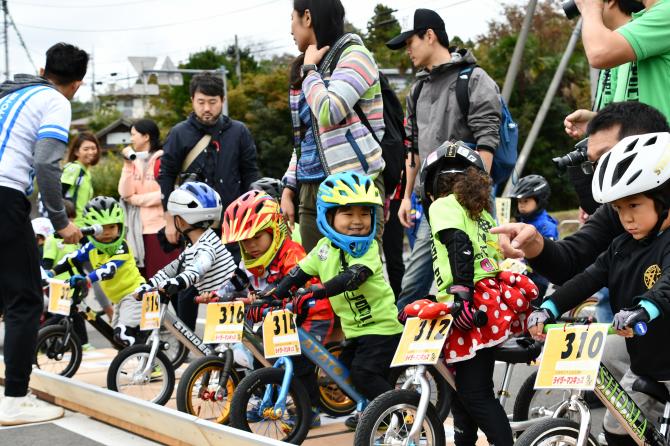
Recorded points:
561,430
145,390
190,398
177,352
332,400
442,400
367,433
253,386
53,333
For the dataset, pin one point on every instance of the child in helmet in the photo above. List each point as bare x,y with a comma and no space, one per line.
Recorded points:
634,177
205,263
255,221
532,193
273,187
348,263
113,265
456,197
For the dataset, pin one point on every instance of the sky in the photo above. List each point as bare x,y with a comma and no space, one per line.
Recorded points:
112,30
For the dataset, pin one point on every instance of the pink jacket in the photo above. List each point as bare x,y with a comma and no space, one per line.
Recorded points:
138,187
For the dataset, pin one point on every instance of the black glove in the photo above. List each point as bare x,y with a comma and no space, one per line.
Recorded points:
628,317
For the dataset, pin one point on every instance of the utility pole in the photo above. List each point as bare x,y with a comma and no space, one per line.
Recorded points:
93,96
238,67
6,35
515,64
544,108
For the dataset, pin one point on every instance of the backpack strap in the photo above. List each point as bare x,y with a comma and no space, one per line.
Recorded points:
462,89
415,127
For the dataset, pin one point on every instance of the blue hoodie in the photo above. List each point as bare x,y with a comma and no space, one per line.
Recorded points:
545,223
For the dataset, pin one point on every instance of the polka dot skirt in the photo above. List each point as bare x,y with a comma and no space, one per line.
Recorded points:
506,301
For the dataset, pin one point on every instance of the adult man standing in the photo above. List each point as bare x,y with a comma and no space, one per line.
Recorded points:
227,163
34,123
643,44
435,117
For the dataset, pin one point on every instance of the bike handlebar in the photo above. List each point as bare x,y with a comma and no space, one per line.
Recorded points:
639,329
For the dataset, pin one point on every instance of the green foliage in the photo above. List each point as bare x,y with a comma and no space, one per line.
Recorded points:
547,41
104,117
105,175
81,109
382,27
261,102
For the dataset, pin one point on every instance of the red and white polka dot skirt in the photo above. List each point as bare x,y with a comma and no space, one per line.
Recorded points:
506,301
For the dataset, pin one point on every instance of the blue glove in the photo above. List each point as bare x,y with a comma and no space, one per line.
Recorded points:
76,280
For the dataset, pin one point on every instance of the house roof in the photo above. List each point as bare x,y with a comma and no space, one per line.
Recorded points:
122,122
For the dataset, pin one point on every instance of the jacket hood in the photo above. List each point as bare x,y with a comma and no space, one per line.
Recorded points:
221,124
21,81
459,56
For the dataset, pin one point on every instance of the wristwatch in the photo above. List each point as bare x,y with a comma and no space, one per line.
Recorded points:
305,69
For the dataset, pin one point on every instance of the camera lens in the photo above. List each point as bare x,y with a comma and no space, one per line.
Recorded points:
570,9
574,158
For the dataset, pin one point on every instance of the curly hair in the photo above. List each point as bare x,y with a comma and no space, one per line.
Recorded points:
472,189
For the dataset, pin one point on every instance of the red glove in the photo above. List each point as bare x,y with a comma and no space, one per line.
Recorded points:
255,312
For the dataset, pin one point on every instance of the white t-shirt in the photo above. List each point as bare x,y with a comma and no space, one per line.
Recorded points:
27,115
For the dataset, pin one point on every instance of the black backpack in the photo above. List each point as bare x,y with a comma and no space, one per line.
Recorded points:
393,142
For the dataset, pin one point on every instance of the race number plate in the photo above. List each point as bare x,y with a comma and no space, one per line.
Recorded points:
151,311
224,323
503,210
421,341
280,334
571,357
59,297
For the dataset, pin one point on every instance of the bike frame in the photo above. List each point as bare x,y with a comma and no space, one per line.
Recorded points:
621,405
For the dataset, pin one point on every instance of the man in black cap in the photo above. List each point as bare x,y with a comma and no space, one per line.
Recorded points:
435,116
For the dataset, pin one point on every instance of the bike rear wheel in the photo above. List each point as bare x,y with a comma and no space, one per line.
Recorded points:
126,374
389,418
198,391
332,399
292,426
553,432
54,355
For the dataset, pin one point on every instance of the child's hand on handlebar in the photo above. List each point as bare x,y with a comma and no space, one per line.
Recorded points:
536,322
626,318
140,290
79,280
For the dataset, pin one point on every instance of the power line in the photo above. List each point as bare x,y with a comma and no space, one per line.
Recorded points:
82,6
146,27
23,43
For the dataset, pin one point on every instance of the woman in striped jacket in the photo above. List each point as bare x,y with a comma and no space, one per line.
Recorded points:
334,74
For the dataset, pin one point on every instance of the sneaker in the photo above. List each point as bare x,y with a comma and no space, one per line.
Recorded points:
253,416
87,347
26,409
156,373
352,422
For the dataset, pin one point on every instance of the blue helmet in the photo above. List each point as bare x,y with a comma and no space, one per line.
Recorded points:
195,202
347,189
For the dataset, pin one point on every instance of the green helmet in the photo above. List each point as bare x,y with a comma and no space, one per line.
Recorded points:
105,211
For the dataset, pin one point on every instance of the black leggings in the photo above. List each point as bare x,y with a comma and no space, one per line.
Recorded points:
474,404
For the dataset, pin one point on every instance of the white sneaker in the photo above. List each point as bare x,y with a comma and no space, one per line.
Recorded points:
26,409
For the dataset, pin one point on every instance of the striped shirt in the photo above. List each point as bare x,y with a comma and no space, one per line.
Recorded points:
345,142
206,264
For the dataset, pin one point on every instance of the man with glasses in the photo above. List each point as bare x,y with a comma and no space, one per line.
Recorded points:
562,259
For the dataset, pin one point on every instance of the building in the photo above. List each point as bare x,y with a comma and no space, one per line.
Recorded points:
115,134
133,102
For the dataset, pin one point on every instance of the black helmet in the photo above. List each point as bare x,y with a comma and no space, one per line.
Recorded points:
533,186
450,157
270,186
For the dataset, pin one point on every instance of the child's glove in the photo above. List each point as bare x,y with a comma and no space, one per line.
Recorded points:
140,290
255,312
540,316
628,317
464,319
171,287
50,273
77,280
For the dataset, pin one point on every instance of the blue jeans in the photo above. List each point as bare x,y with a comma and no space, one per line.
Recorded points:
418,276
603,308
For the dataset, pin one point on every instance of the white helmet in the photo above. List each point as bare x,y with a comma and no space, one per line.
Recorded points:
196,203
637,164
42,226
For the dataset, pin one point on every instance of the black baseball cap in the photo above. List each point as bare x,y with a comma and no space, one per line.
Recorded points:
423,19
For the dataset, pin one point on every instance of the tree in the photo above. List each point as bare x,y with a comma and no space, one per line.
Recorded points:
382,27
547,41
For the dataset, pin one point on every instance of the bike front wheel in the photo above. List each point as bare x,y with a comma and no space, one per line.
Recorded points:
176,352
129,374
199,393
553,432
532,403
440,391
389,418
54,354
291,426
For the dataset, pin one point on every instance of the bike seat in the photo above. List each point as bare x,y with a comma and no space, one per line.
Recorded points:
517,351
652,388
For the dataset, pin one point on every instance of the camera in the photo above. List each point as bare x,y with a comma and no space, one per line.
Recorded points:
574,158
128,153
570,9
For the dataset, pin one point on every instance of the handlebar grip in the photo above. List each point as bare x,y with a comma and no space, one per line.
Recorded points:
94,230
640,328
